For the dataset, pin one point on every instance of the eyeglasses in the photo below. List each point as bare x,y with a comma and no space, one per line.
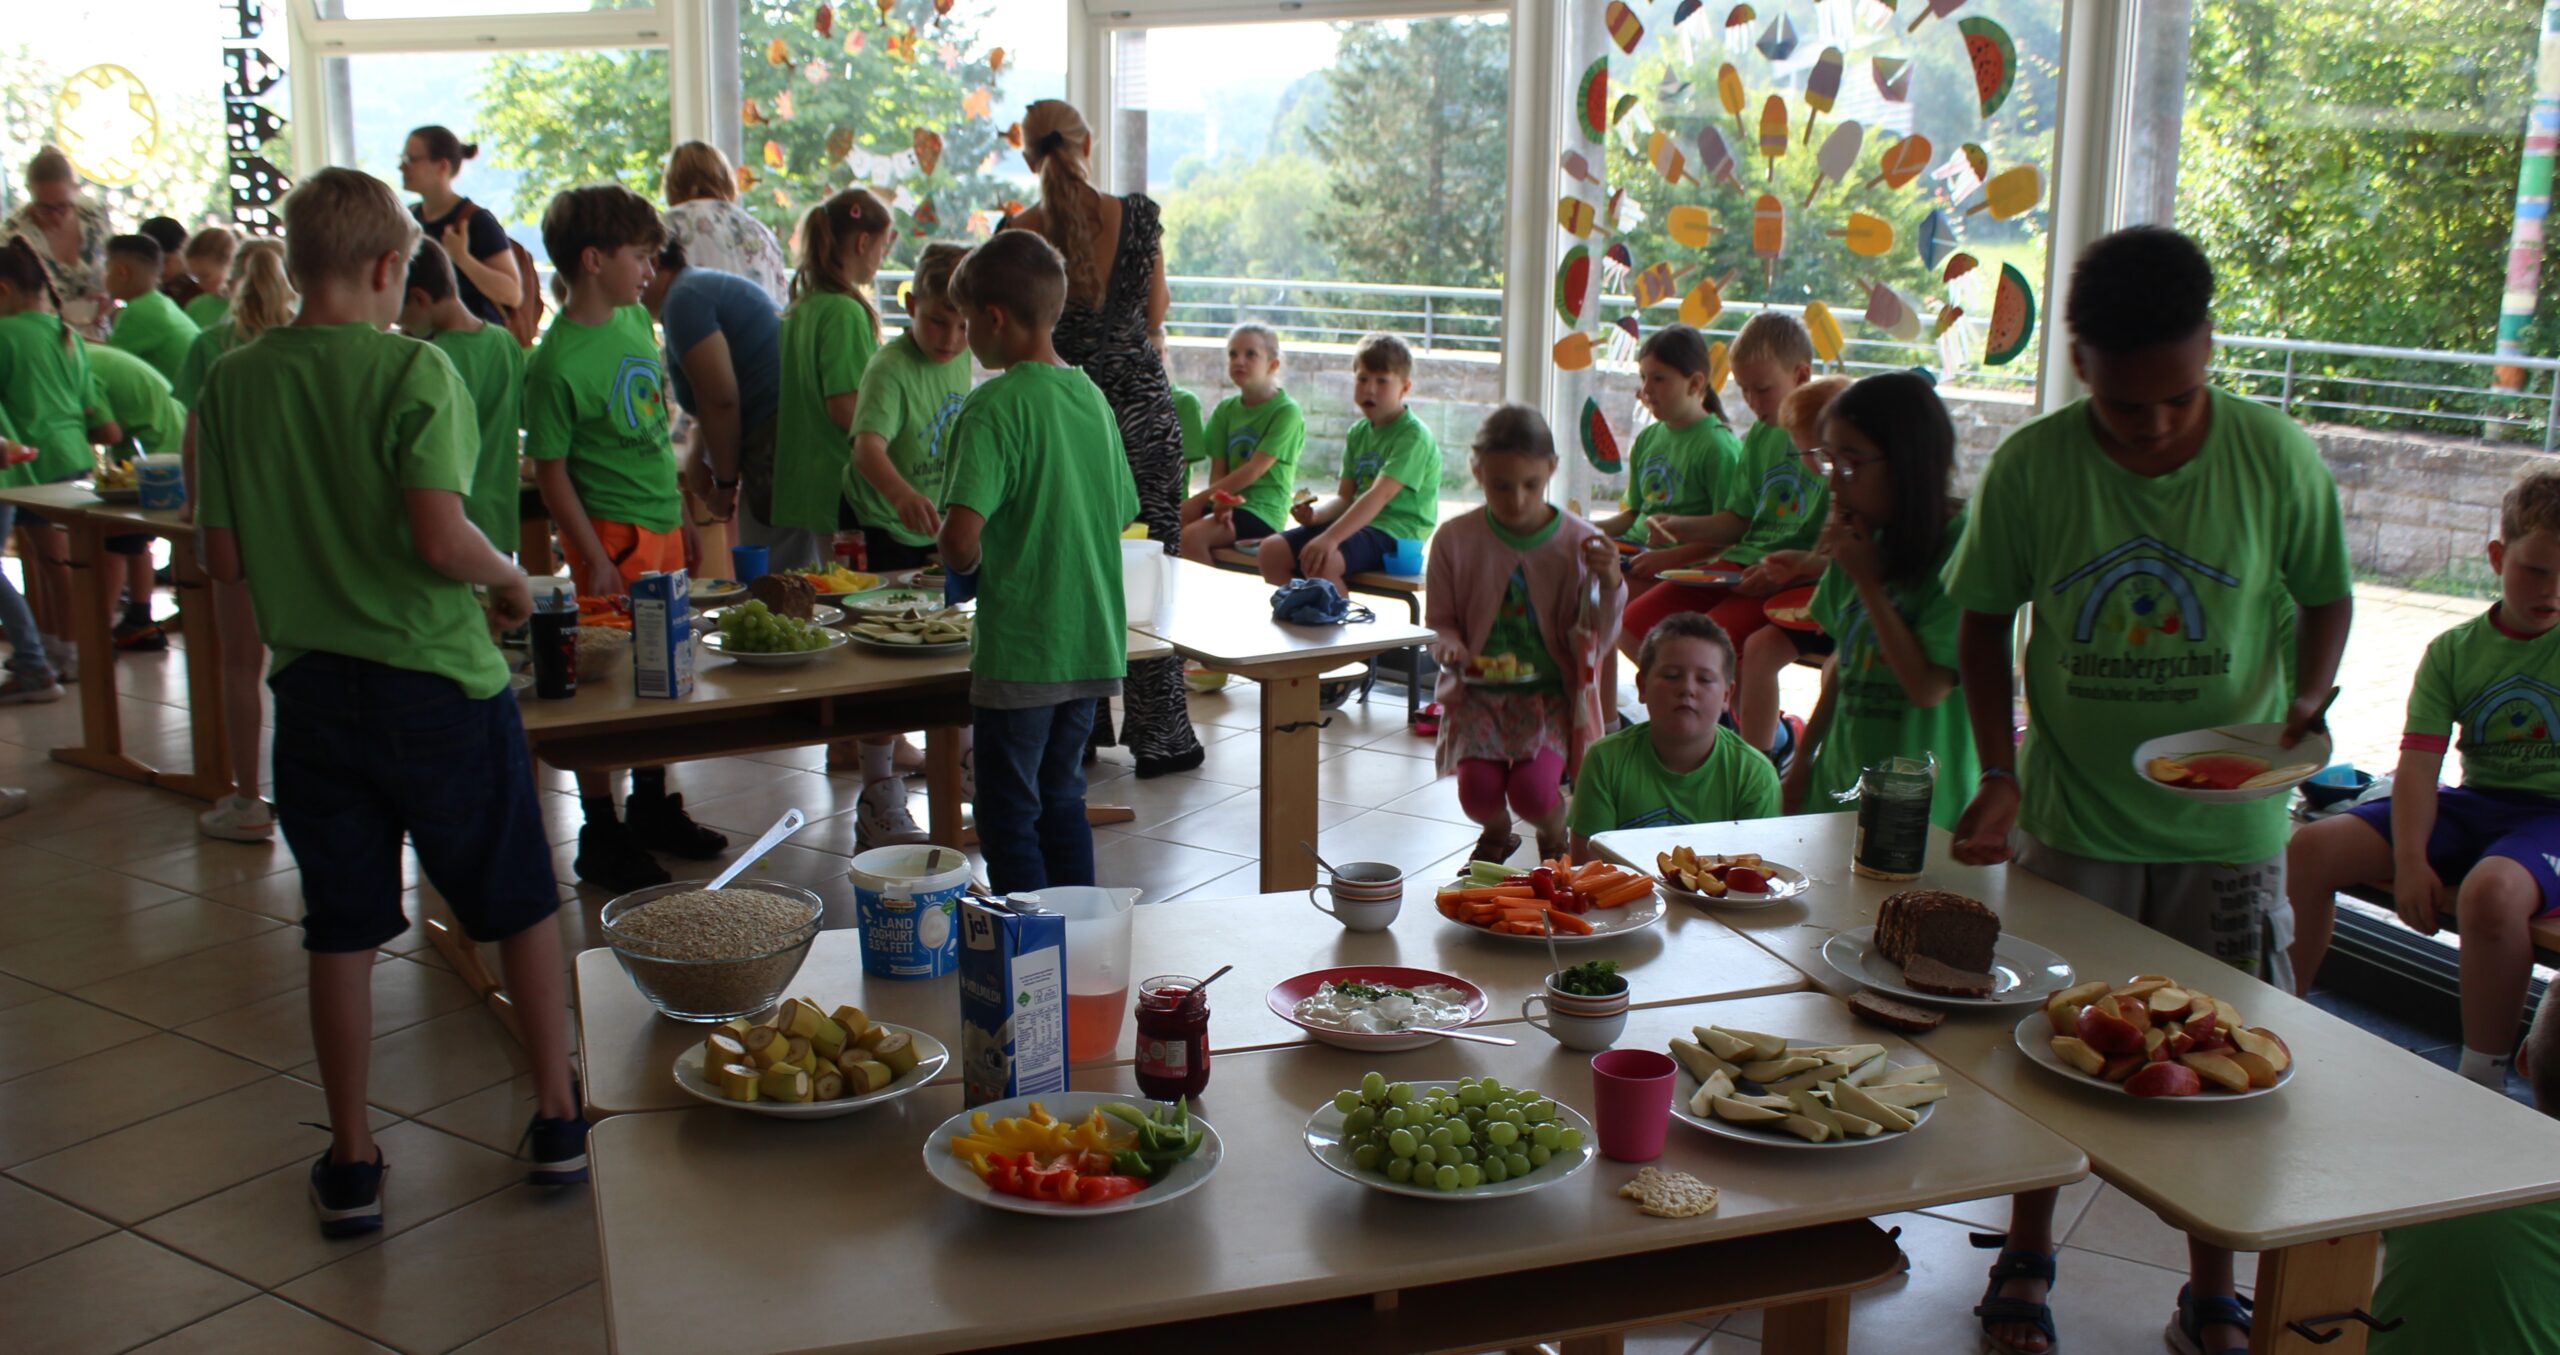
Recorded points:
1846,463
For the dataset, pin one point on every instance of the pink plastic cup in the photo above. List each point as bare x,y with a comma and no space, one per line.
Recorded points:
1631,1102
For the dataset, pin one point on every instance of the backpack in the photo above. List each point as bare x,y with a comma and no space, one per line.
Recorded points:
524,319
1315,602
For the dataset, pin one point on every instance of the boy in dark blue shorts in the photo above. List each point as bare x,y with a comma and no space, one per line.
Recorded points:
332,462
2488,850
1390,489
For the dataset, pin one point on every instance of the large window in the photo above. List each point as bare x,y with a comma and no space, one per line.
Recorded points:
132,89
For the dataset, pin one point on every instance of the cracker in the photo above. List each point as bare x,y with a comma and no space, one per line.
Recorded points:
1669,1195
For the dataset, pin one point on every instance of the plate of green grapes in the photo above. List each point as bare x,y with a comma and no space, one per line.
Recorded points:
1472,1139
752,633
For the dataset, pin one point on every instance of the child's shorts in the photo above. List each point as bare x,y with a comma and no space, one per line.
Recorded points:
366,753
1364,552
2472,824
1251,528
881,551
634,550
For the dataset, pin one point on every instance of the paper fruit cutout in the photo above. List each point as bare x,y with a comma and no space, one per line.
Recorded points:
1867,234
1719,364
1994,57
995,61
1773,132
979,102
839,143
2010,192
1729,93
1574,352
1825,331
1576,217
1901,162
1615,264
1893,77
1839,157
751,114
1715,156
2013,318
1936,237
1668,159
773,154
1778,41
1573,285
1822,88
1591,104
928,149
1577,168
1599,445
1769,234
777,53
826,21
1938,9
1704,303
1691,226
1958,266
1625,29
1947,317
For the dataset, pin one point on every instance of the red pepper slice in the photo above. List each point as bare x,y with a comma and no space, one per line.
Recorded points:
1096,1189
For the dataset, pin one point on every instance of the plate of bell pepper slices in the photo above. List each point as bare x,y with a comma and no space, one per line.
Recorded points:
1074,1153
1587,902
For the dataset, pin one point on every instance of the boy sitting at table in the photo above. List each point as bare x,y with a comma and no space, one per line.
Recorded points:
1039,491
1680,765
2485,850
332,460
1390,490
149,325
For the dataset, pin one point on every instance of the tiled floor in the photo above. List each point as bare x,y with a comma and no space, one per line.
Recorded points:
158,1071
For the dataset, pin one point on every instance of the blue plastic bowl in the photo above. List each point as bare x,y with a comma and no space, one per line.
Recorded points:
2335,786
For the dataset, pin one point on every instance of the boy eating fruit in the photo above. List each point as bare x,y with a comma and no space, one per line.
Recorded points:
1678,766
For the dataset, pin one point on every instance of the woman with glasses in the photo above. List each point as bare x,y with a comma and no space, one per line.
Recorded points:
484,270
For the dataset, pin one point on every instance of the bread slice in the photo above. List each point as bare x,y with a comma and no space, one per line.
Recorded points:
1892,1015
1931,976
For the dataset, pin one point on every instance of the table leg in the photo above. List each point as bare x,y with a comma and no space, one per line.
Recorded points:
211,777
2313,1280
460,952
101,747
1813,1327
942,786
1289,717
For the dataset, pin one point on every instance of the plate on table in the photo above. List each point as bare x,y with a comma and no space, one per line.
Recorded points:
931,1056
820,614
2021,971
2243,762
117,494
1284,997
1792,609
1184,1177
851,581
713,592
1769,1135
893,647
1703,578
1606,923
1475,679
520,683
2035,1040
1785,882
718,644
1324,1143
893,601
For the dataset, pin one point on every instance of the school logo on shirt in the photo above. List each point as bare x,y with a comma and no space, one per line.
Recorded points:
1651,818
2144,620
940,424
1786,493
1657,481
639,392
2513,718
1243,442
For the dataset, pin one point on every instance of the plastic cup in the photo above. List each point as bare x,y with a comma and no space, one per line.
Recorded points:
749,563
1631,1102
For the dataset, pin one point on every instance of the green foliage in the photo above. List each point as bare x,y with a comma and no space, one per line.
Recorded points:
1231,218
1417,152
186,177
571,118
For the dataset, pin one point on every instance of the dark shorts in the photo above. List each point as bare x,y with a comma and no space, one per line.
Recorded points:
1364,552
1811,642
1249,527
881,552
365,754
2474,824
137,544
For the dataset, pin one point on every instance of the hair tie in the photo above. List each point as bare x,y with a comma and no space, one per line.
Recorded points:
1049,144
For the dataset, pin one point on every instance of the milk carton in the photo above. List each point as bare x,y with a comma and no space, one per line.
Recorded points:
1013,1001
662,635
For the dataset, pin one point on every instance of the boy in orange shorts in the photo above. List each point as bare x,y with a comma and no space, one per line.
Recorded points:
595,423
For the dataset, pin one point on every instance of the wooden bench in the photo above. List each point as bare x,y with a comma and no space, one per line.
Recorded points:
2544,930
1406,588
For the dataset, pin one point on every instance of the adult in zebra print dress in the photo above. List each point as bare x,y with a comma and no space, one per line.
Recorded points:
1116,300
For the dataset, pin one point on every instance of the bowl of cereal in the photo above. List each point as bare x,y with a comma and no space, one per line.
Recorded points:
711,955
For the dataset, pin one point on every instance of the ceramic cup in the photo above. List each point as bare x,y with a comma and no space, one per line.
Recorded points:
1367,895
1571,1030
1631,1102
1562,1003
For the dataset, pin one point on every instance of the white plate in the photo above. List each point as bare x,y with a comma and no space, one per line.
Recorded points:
820,614
2258,740
2035,1040
2021,971
931,1055
1785,883
713,592
113,494
1702,578
1324,1143
889,601
717,644
886,647
520,683
1498,683
1684,1087
1183,1178
1605,922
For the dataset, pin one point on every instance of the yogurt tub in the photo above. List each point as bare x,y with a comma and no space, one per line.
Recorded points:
906,910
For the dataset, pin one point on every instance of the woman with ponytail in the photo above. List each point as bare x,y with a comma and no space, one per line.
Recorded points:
1116,302
484,267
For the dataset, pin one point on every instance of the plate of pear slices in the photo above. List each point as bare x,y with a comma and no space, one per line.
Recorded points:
1778,1092
764,1068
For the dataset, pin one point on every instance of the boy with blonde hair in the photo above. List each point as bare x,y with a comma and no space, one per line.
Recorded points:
333,458
1253,439
1390,490
491,364
1678,765
1040,489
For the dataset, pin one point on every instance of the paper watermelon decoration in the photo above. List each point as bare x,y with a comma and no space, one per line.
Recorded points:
2013,318
1625,29
1573,285
1592,105
1995,60
1599,445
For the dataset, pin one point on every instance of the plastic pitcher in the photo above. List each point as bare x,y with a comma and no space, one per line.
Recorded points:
1142,570
1100,924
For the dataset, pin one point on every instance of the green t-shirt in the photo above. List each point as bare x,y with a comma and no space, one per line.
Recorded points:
2156,601
1237,431
2504,692
211,342
910,401
209,309
491,364
1677,471
1037,453
306,440
128,390
1195,434
1872,717
596,395
152,328
45,387
827,344
1515,622
1624,785
2479,1283
1404,451
1769,484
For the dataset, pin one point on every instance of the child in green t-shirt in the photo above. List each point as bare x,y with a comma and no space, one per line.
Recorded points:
491,364
260,298
149,325
333,460
1684,455
1681,765
2485,850
134,414
1254,439
1040,490
45,388
2156,527
1390,490
209,258
829,338
595,424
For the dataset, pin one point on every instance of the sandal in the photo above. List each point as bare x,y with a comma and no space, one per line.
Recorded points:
2186,1330
1995,1310
1497,845
1426,721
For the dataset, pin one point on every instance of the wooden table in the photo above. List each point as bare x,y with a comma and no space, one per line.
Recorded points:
1224,621
626,1049
697,1207
89,521
2367,1136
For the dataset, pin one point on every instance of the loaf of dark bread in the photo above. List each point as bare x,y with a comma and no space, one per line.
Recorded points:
1946,927
1892,1015
1933,976
789,595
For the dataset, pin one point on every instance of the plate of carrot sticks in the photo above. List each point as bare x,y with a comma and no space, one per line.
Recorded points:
1591,901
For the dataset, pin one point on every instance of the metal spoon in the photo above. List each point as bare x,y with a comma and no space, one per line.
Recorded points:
1310,849
1194,994
1462,1035
790,822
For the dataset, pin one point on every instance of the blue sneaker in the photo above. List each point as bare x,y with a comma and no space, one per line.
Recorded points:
348,1195
557,1149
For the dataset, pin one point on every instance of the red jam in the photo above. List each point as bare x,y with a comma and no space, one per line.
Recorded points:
1173,1038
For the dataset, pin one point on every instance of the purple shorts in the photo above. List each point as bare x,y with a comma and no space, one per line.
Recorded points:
2472,824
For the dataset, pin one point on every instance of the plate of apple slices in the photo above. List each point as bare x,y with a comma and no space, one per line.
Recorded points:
2154,1038
1744,880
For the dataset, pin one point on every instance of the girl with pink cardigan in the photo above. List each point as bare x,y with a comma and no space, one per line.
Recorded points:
1523,599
